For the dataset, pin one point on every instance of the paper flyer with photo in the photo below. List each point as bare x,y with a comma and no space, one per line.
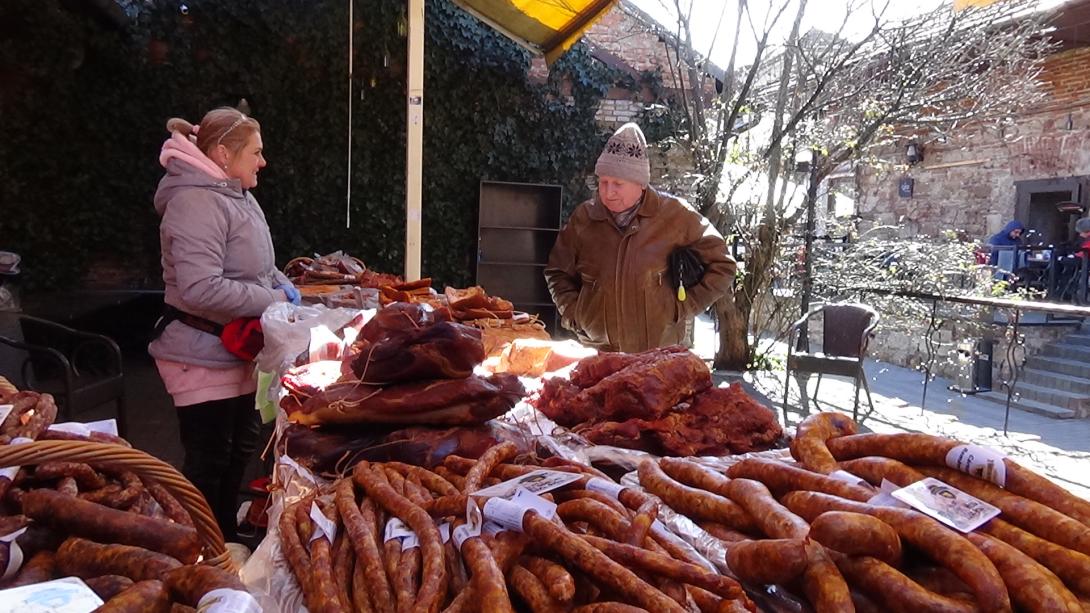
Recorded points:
947,504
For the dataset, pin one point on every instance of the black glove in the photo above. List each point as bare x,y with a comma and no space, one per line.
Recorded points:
686,269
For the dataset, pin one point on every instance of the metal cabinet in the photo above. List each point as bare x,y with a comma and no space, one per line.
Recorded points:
516,229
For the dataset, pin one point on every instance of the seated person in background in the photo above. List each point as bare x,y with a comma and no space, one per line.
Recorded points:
1082,244
1009,236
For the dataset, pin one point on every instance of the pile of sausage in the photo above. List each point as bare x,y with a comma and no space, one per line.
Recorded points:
602,550
818,532
130,539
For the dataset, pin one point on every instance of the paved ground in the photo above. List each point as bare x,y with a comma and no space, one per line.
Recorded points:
1058,448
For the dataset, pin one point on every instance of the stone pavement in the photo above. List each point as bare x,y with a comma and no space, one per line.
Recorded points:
1057,448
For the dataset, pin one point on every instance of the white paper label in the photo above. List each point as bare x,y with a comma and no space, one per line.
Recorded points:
981,462
9,472
536,482
884,496
444,531
492,528
299,470
472,527
5,410
461,533
103,426
325,527
847,477
474,518
605,486
509,513
395,529
947,504
409,541
225,600
15,553
68,595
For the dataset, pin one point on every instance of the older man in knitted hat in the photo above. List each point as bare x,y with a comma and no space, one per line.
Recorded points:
609,272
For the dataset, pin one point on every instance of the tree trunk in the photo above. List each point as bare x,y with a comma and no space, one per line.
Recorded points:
733,353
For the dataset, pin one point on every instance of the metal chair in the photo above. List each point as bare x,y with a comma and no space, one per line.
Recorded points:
82,370
846,330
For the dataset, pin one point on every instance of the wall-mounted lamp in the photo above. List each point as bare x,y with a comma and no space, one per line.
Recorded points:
913,153
803,160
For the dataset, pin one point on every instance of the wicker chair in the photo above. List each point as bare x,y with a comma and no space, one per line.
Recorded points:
846,330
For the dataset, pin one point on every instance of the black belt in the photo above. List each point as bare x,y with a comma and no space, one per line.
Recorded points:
171,313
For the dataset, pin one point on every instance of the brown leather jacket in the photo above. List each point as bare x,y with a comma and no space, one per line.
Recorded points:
613,289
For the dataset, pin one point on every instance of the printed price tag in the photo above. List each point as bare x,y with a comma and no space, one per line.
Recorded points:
325,526
980,462
225,600
947,504
536,482
509,513
461,533
492,528
605,486
395,529
472,527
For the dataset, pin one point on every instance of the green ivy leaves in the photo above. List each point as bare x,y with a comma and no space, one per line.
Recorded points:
79,157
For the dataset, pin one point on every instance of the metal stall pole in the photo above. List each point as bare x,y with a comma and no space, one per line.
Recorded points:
414,149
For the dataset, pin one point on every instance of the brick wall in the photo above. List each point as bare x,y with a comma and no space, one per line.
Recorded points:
613,113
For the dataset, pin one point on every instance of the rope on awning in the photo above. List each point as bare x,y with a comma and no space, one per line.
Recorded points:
348,177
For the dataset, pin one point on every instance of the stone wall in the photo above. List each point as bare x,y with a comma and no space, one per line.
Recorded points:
967,182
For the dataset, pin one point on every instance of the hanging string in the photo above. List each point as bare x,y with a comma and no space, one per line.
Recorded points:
348,179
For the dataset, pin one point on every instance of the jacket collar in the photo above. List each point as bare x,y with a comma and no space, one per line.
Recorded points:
652,202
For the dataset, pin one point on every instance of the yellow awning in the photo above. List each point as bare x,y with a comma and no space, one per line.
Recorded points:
964,4
548,27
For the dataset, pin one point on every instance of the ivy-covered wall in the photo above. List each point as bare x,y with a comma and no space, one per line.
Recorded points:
83,107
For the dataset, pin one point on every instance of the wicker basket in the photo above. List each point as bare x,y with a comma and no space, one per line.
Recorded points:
6,388
144,466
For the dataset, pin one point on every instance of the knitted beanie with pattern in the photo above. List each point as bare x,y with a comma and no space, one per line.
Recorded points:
625,156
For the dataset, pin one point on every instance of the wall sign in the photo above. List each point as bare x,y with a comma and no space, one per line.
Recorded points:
904,187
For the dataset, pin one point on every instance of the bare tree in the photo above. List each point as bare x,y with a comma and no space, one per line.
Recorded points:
842,96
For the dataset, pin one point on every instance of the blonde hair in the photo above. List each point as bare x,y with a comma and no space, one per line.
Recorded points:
225,126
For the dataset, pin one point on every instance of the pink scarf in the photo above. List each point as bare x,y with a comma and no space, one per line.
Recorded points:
178,147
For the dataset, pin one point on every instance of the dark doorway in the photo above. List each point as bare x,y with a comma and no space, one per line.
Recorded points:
1036,207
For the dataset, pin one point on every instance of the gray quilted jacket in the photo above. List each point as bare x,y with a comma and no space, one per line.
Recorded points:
218,261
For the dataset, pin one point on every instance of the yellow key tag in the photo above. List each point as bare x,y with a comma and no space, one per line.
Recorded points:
681,293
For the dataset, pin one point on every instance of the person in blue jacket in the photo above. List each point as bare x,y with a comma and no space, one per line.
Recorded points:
1009,236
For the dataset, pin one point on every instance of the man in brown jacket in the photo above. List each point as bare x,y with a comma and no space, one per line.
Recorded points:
609,270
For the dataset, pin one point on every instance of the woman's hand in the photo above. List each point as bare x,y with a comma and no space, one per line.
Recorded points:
292,294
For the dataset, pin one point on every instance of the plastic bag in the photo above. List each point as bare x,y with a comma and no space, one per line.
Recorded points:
267,573
288,327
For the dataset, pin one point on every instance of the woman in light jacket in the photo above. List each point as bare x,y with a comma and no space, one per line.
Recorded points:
218,265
